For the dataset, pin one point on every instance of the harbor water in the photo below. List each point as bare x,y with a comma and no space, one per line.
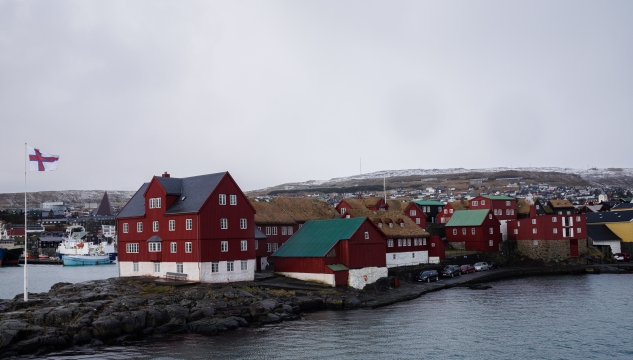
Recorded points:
552,317
42,277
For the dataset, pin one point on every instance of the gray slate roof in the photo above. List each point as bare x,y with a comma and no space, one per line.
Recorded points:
104,207
610,216
601,233
192,192
136,205
259,235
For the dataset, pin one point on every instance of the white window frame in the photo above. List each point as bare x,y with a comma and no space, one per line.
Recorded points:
577,218
289,230
534,231
189,224
411,212
275,247
180,268
283,230
243,223
126,228
492,231
155,226
230,266
463,231
222,199
243,245
139,227
553,218
188,247
233,199
135,266
224,223
508,203
454,231
389,242
256,244
274,228
267,230
578,230
154,246
533,221
483,202
269,247
156,267
343,210
215,267
424,241
366,235
408,242
131,248
173,247
172,225
472,231
450,211
490,243
399,242
475,203
555,230
224,246
244,265
516,231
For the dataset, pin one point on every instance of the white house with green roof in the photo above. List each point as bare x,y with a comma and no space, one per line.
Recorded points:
346,251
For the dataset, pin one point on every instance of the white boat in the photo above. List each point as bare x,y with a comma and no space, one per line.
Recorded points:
74,242
109,240
84,260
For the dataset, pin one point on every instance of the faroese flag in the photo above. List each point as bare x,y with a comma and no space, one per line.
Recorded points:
41,161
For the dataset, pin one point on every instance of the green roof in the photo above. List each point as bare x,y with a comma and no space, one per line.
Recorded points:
316,238
338,267
429,202
499,197
467,218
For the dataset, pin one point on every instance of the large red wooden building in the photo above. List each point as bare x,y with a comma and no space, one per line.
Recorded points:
201,226
474,230
503,207
550,237
336,252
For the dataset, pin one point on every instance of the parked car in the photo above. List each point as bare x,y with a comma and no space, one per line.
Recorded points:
428,276
467,269
452,271
493,265
622,257
481,266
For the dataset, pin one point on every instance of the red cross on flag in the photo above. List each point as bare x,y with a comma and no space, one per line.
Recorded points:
41,161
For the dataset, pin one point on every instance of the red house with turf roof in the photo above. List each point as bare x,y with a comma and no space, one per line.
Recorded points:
477,230
348,252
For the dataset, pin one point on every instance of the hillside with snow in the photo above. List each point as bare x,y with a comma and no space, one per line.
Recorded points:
72,197
606,177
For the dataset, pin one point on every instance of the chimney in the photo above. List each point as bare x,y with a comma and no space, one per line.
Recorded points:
165,174
360,196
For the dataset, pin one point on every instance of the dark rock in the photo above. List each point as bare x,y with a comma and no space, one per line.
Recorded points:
231,324
204,326
352,302
83,336
271,319
96,342
334,303
106,328
148,331
196,315
133,322
194,295
177,314
156,317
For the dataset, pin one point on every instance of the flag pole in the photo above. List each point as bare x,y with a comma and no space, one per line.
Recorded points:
26,292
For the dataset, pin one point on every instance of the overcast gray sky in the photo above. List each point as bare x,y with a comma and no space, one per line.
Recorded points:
283,91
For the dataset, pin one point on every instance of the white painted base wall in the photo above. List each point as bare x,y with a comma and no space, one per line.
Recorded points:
616,246
504,230
434,260
195,271
407,258
224,276
357,277
320,278
263,262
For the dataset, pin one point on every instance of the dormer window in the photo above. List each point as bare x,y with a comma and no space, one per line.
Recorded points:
154,203
391,225
402,224
343,210
380,225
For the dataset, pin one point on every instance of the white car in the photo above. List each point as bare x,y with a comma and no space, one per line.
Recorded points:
481,266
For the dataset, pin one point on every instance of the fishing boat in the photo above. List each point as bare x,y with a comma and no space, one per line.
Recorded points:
96,256
74,242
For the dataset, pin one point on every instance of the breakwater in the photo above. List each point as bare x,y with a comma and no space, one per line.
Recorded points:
119,310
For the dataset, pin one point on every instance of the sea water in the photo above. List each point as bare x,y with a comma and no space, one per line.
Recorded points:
552,317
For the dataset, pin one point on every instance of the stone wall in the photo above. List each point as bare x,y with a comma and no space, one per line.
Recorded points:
458,245
549,250
358,278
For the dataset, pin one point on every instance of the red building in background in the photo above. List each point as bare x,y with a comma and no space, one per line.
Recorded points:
503,207
201,226
474,230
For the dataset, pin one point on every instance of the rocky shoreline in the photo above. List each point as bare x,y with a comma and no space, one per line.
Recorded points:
120,310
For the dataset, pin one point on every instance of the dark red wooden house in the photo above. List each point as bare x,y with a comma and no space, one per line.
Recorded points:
201,226
335,252
477,230
503,207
